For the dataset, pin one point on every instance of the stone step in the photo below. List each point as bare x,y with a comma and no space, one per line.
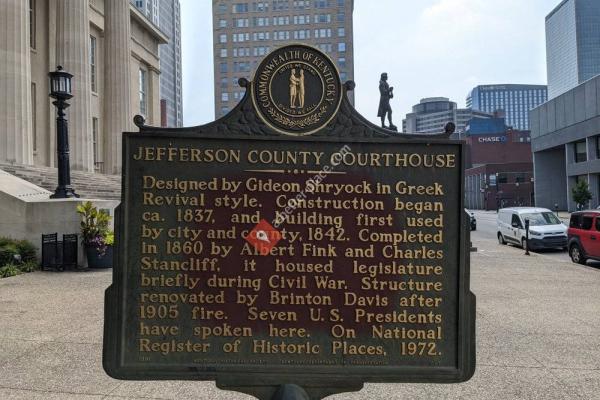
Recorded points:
86,184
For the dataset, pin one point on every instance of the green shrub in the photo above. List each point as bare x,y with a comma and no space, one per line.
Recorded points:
9,270
109,239
7,253
5,240
29,266
27,251
16,256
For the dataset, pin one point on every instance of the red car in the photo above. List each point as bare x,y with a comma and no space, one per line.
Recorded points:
584,236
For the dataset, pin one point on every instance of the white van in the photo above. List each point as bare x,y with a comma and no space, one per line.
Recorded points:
546,231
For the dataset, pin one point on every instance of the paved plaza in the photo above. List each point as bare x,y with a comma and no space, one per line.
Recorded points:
538,336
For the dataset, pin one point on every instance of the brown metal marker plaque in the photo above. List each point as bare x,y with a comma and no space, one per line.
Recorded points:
258,259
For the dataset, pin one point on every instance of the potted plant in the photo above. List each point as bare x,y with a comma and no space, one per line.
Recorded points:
97,238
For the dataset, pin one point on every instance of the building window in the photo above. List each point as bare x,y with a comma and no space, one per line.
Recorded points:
325,47
303,34
223,68
598,147
222,8
340,3
341,32
322,33
341,17
261,21
342,62
341,47
281,20
223,38
519,177
240,22
281,4
222,23
240,8
155,14
323,18
502,178
281,35
580,151
241,37
93,62
260,6
32,21
34,115
224,83
95,139
224,96
223,53
143,89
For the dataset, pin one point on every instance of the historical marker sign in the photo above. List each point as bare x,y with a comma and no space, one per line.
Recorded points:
258,259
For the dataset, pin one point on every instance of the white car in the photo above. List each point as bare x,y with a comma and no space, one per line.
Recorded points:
545,229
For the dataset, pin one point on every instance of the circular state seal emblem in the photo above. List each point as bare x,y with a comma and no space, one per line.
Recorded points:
296,90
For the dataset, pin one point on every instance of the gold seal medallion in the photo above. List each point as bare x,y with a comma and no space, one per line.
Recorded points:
296,90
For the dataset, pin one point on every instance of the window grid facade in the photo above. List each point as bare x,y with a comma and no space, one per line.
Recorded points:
245,31
514,100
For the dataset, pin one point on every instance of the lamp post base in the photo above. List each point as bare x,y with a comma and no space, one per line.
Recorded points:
64,193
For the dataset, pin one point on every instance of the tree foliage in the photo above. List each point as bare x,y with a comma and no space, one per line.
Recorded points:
581,194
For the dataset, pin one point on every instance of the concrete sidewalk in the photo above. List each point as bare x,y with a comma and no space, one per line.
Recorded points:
538,325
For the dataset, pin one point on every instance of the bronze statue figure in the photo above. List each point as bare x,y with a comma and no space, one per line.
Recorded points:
386,92
293,88
296,89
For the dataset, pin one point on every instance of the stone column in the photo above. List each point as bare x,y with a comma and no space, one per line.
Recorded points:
117,80
15,83
72,52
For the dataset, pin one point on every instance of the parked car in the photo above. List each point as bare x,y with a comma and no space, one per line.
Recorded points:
546,231
584,236
472,219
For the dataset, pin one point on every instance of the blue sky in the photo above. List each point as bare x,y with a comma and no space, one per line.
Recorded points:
428,48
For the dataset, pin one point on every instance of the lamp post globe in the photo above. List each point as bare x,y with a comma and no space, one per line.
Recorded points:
60,90
60,84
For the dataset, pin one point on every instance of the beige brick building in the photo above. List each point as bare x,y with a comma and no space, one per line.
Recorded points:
109,46
244,31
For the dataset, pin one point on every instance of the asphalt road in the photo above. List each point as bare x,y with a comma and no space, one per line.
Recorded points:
487,231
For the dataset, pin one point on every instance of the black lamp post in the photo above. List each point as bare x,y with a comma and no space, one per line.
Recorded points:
60,89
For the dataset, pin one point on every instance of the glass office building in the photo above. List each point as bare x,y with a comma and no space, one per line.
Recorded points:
572,50
514,100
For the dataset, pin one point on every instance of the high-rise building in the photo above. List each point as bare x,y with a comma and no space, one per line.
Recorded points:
432,114
166,15
572,51
245,31
150,8
514,100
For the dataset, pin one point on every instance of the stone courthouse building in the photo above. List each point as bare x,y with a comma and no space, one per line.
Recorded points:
110,47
